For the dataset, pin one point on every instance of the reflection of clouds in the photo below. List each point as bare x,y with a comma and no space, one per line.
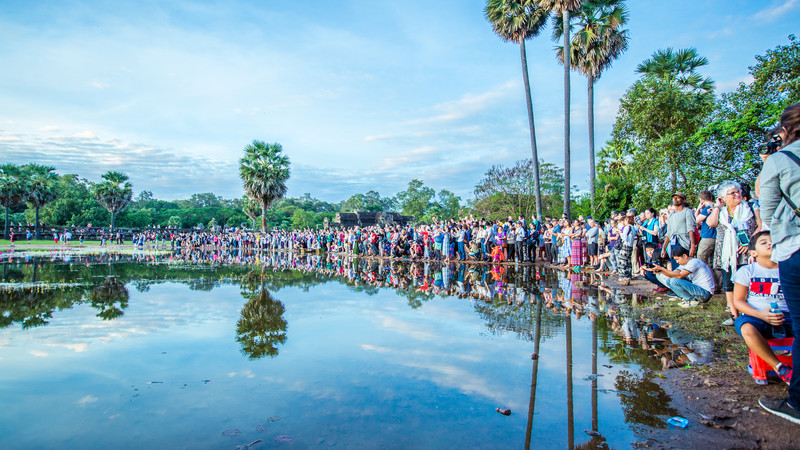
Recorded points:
245,373
406,328
78,348
39,353
86,400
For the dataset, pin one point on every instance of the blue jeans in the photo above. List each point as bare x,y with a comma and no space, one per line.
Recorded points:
790,285
684,289
651,277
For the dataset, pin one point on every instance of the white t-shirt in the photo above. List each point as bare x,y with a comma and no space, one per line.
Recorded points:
763,285
700,274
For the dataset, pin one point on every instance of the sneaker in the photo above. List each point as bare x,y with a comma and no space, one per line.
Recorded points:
761,382
780,407
728,323
785,372
689,303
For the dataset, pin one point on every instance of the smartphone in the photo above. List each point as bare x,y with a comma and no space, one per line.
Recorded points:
743,238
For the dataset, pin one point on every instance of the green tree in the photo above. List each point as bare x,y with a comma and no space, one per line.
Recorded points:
516,21
740,120
564,8
302,219
264,170
114,193
42,182
261,326
415,200
599,40
12,190
175,222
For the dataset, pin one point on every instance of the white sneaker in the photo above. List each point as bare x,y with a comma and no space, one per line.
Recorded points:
728,323
689,304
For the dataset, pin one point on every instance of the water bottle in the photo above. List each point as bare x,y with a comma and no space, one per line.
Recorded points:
778,332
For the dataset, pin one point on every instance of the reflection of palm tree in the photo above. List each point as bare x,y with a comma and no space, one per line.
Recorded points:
570,415
106,297
261,326
642,400
535,371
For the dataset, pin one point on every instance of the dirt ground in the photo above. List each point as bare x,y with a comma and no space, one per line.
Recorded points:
720,398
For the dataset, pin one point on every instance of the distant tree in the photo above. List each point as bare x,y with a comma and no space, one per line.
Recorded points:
42,182
264,171
516,21
252,210
415,200
114,193
206,200
145,196
175,222
12,190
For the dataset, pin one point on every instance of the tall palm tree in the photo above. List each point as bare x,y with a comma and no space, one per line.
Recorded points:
261,326
41,188
114,193
598,41
679,69
264,170
564,8
12,190
516,21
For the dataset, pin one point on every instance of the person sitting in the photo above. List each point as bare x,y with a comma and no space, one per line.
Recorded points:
756,287
692,280
651,259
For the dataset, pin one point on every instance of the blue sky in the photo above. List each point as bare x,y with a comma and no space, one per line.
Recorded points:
361,94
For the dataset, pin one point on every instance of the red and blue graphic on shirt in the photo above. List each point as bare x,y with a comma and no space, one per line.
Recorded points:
766,286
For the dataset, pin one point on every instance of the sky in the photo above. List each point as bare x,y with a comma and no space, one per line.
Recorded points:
361,94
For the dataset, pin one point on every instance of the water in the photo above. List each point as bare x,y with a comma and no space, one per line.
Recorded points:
185,352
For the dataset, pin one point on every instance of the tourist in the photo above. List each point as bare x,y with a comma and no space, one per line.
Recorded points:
691,281
680,227
779,197
756,288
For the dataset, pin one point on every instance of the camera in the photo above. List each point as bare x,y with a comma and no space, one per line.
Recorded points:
771,146
654,262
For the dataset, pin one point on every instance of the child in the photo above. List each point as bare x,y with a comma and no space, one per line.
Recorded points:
756,286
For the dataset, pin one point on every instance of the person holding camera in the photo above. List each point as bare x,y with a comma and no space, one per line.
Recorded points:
735,224
779,198
692,281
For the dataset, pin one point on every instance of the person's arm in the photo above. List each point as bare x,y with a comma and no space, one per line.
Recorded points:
740,292
770,187
671,273
713,217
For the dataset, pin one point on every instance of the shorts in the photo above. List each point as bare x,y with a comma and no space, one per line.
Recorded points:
727,282
763,327
592,249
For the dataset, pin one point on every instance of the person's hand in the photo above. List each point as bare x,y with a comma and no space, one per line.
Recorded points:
693,251
663,253
742,250
771,318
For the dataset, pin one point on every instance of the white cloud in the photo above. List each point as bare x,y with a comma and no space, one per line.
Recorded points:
774,12
86,400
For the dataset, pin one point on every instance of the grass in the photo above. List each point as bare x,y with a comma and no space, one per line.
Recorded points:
705,322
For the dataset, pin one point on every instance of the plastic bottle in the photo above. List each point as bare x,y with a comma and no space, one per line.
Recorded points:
778,332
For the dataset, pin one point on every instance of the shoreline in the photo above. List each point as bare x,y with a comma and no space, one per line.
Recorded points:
719,398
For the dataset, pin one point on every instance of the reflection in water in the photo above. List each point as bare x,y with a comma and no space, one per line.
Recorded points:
530,302
111,298
261,326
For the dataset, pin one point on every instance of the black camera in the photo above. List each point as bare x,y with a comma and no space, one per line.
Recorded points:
771,146
654,262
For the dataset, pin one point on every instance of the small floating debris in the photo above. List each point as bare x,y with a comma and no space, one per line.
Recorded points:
274,419
591,433
593,376
231,432
505,412
247,446
262,428
534,356
284,438
206,381
155,382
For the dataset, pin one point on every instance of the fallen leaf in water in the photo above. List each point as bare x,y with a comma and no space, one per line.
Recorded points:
261,428
230,432
284,438
274,418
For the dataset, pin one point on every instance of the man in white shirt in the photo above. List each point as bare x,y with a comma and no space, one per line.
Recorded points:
692,280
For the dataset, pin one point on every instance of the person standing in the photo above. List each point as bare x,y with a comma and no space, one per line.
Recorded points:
779,198
680,228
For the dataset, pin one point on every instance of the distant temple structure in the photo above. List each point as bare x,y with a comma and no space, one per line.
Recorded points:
370,218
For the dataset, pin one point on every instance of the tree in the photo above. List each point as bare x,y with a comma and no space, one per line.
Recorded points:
114,193
175,222
415,200
508,191
679,69
251,209
261,326
740,120
264,170
563,8
12,190
516,21
41,188
597,43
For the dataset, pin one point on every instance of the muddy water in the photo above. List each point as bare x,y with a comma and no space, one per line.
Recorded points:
206,350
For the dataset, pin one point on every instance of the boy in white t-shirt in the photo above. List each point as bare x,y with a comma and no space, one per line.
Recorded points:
756,287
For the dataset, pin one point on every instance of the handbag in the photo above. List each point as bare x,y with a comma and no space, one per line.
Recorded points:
789,201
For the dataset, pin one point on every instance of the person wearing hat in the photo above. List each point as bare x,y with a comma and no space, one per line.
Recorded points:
680,228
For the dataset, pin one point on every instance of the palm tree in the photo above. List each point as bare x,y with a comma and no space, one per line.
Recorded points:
264,170
563,8
114,193
516,21
12,190
41,188
598,42
678,71
261,326
678,68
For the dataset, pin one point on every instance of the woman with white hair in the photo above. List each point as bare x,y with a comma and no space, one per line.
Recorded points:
735,223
